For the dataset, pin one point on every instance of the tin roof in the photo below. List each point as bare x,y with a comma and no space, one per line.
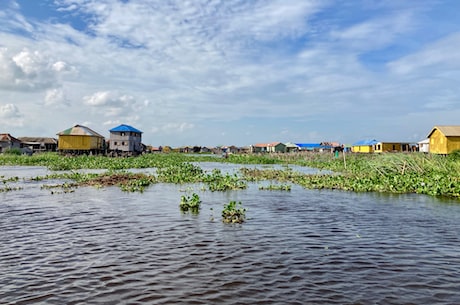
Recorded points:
38,140
8,137
80,130
365,142
126,128
448,131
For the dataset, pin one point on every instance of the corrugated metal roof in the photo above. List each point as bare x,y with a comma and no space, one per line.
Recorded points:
38,140
124,127
267,144
365,143
308,145
447,130
8,137
80,130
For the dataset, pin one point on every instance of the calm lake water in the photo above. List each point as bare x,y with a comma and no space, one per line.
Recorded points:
105,246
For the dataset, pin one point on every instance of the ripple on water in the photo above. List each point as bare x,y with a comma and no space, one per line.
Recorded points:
303,247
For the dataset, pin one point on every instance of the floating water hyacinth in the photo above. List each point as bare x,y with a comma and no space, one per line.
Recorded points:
233,212
190,203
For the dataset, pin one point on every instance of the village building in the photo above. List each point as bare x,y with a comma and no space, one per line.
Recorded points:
8,142
381,147
80,139
268,147
424,146
126,139
311,147
291,147
364,146
444,139
39,144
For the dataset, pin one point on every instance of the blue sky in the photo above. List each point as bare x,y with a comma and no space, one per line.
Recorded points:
233,72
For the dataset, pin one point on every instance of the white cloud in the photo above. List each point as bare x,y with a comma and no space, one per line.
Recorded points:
173,128
187,67
10,115
56,97
375,33
28,70
101,98
9,111
441,56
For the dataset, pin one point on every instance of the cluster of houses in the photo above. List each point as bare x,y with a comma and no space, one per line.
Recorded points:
125,140
79,139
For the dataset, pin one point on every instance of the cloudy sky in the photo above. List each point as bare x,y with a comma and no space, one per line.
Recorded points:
231,72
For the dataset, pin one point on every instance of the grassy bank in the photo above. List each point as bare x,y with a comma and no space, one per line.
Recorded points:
392,173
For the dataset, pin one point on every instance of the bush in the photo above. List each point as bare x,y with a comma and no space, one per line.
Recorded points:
13,151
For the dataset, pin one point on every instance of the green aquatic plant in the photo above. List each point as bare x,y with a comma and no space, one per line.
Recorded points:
233,212
180,173
136,185
276,187
65,188
255,174
216,181
190,203
388,172
7,188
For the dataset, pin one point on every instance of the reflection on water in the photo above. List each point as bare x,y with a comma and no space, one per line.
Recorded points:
104,246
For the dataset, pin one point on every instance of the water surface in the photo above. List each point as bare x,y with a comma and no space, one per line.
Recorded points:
105,246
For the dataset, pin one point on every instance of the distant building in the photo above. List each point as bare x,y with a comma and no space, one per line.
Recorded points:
291,147
7,142
391,147
444,139
424,146
268,147
364,146
125,138
309,146
39,144
80,139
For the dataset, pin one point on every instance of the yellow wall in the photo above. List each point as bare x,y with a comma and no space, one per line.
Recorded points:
387,147
440,144
453,143
74,142
362,149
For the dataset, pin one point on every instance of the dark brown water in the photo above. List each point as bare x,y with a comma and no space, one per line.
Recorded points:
104,246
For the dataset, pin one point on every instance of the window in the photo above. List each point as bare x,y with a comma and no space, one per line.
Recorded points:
115,143
122,134
122,143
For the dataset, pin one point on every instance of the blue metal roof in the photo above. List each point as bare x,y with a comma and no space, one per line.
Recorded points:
124,127
308,145
365,142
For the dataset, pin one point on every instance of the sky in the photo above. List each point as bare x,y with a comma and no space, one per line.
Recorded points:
231,72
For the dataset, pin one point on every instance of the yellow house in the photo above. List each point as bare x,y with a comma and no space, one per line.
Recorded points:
80,139
364,146
381,147
444,139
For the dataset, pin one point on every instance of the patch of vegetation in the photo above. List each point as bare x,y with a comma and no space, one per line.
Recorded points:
13,151
233,212
389,172
180,173
7,188
216,181
65,188
190,203
275,187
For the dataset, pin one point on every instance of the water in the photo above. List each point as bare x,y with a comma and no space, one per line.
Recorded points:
105,246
